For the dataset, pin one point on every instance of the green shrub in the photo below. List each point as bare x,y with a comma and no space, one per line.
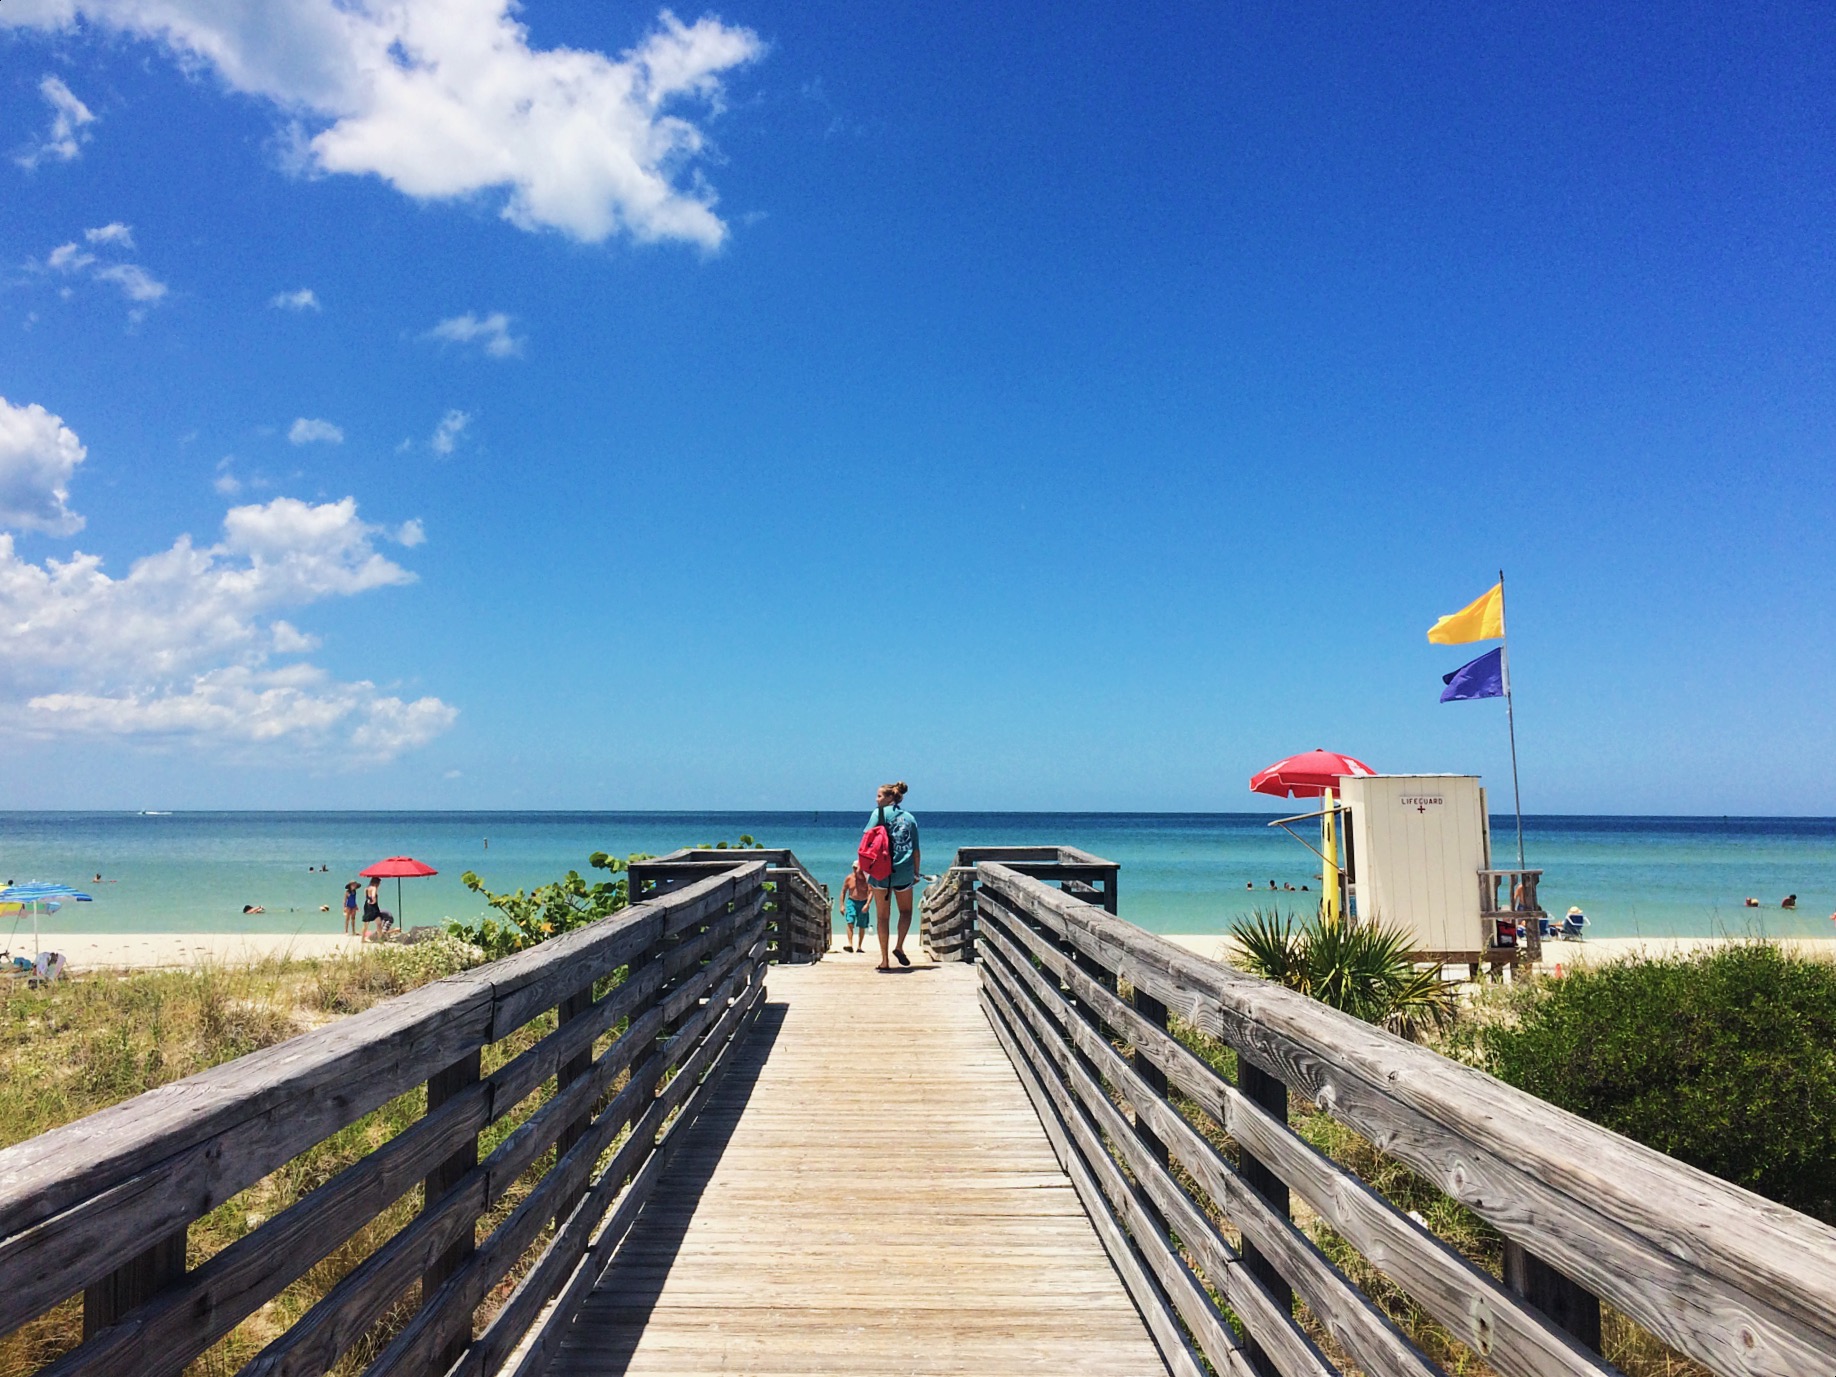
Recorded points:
1724,1059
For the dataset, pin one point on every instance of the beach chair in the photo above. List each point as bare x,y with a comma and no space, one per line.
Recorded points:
1572,923
1546,926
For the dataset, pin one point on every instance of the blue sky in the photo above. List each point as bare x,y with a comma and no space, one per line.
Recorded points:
1056,406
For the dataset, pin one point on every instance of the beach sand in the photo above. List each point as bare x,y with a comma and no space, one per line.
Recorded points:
90,951
1591,951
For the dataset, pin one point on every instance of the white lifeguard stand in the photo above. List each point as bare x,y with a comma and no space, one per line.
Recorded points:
1418,857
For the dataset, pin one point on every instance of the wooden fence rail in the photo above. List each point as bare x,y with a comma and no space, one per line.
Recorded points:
796,904
101,1207
1744,1286
947,913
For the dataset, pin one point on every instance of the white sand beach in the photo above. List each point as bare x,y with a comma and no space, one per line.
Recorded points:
91,951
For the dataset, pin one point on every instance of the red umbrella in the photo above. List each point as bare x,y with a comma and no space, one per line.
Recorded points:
399,866
1307,775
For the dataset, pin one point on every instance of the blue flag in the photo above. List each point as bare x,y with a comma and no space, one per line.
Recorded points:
1481,678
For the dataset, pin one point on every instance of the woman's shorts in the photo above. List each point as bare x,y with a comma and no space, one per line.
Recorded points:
902,877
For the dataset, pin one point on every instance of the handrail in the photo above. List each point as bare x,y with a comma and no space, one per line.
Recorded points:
1744,1286
796,904
102,1206
947,912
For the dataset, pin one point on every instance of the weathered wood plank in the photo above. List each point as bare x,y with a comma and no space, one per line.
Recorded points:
1689,1257
1509,1336
1347,1314
1295,1356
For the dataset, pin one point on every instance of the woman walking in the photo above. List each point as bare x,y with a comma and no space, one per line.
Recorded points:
902,831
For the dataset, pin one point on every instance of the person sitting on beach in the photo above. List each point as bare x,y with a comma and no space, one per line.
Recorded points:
1789,901
1751,902
253,908
857,909
350,909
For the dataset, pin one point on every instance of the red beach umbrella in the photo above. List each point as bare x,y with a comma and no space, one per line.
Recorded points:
1307,775
398,866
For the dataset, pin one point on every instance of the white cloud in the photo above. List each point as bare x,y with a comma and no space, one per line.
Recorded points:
226,481
411,534
135,282
68,258
38,455
302,300
305,432
114,232
445,98
68,133
182,647
446,435
493,331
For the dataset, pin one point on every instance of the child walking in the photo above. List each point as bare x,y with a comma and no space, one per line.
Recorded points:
857,909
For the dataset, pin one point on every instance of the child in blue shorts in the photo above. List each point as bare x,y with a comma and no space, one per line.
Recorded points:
857,909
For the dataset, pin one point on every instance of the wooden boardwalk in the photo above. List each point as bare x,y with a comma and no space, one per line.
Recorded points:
868,1191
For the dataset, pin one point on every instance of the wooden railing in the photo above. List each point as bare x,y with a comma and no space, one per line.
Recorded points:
649,1003
1204,1237
796,904
947,911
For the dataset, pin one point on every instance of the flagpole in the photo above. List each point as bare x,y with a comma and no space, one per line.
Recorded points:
1517,797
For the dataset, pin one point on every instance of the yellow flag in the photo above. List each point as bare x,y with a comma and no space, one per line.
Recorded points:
1480,620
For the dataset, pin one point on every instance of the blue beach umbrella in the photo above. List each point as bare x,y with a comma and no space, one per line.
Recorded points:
41,897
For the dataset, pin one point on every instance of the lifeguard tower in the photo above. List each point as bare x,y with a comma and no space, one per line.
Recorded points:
1418,856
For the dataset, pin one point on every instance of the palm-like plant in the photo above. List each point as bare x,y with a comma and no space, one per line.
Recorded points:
1366,969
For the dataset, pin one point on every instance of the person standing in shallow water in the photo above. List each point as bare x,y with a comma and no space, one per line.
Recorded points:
902,828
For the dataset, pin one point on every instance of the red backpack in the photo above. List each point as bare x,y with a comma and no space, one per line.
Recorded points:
875,853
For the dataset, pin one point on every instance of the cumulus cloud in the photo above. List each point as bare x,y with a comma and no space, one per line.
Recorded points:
114,232
302,300
184,646
446,435
38,455
446,98
492,332
411,534
306,432
68,132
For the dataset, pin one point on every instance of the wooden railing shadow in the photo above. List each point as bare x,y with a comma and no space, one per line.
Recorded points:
611,1319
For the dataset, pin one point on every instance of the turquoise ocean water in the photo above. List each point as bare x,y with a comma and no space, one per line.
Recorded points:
1180,872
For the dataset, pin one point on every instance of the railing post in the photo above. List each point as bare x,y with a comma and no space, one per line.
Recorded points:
441,1087
569,1071
1155,1013
1568,1304
134,1283
1270,1094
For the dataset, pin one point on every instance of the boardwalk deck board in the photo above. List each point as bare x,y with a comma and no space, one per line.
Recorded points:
869,1191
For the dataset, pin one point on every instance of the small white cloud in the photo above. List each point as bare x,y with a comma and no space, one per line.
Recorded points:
411,534
69,131
38,456
226,481
68,258
306,432
136,283
302,300
452,774
114,232
406,445
447,434
492,332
